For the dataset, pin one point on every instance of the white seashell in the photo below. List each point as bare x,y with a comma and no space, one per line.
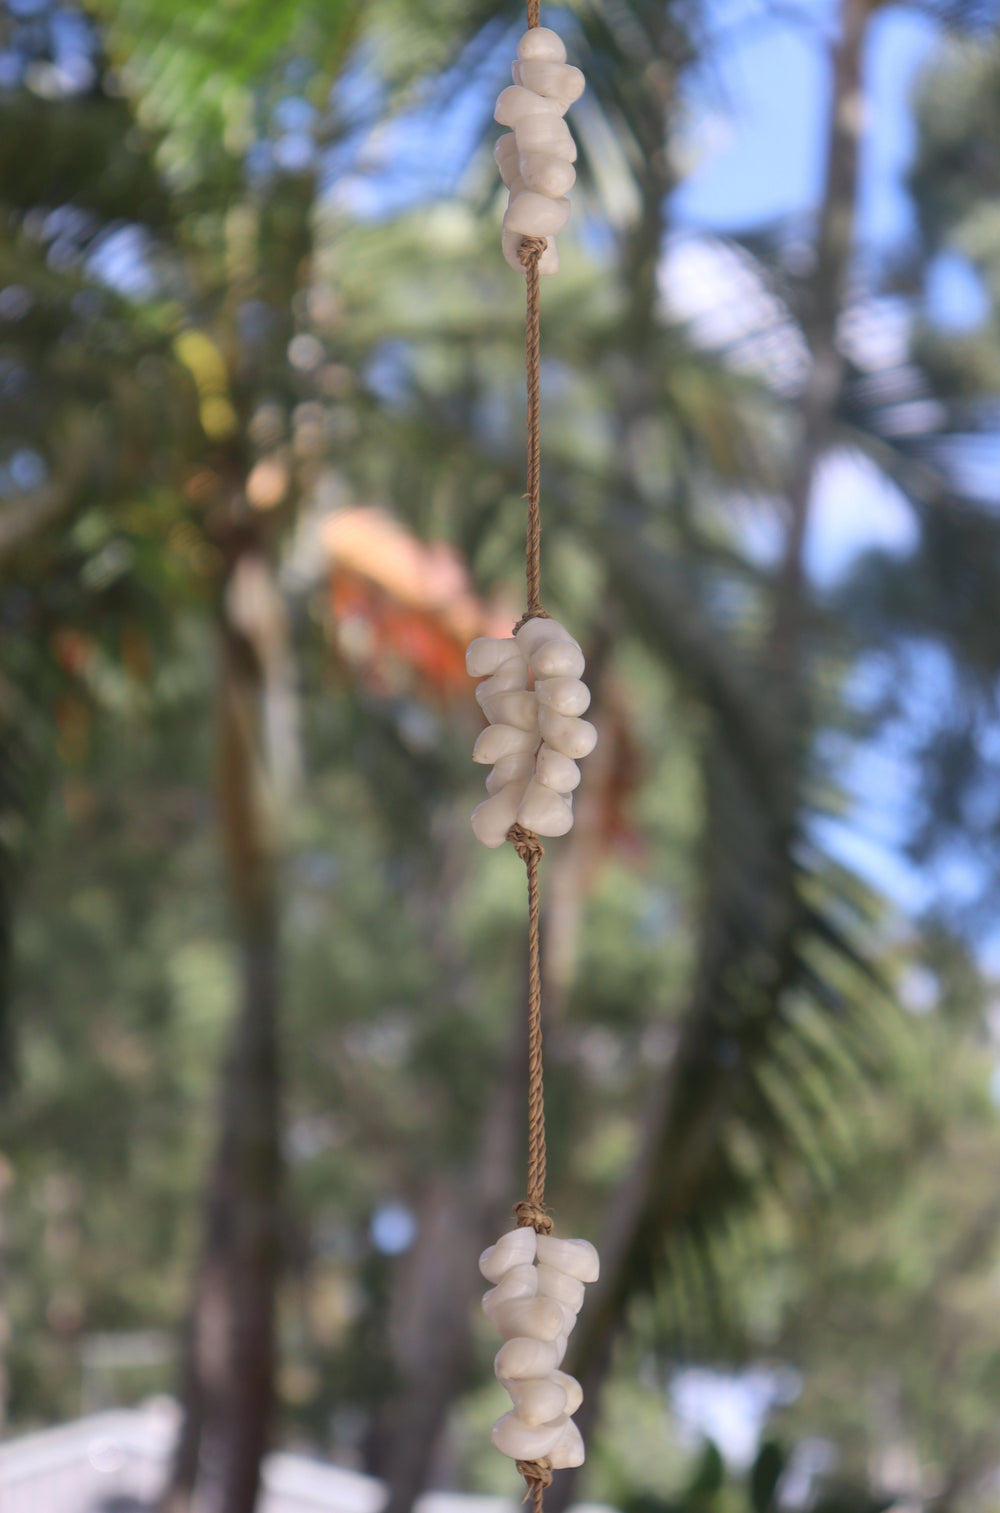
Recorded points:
568,1449
564,695
513,1437
556,1284
510,242
514,104
512,769
536,632
559,84
557,659
505,152
546,174
494,816
521,1358
573,737
511,674
521,1281
558,772
577,1258
553,81
529,1318
540,42
559,1343
515,1248
498,741
571,1387
486,653
568,1317
543,811
545,132
536,215
519,709
539,1400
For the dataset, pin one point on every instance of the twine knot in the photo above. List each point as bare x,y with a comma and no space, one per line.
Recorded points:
530,614
538,1475
531,249
526,843
531,1215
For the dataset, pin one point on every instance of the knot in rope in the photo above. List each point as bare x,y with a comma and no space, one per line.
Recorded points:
530,614
526,843
538,1475
531,1215
531,249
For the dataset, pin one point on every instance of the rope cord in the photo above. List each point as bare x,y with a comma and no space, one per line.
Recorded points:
531,250
530,1211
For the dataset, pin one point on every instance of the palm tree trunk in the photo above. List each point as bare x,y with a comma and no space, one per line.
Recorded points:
256,1239
825,299
229,1357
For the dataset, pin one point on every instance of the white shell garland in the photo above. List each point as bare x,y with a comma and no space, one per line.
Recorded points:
536,156
537,1295
535,736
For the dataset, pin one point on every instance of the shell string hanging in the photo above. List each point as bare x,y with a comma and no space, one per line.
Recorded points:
533,697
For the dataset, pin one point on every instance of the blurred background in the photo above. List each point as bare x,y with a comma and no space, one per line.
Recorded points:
261,468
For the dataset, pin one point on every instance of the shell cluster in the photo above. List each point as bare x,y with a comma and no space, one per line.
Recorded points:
537,1294
535,735
536,157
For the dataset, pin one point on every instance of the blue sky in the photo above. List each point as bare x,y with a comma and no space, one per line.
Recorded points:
759,107
755,144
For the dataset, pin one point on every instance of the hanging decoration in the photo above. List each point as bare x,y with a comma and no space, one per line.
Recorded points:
533,697
535,735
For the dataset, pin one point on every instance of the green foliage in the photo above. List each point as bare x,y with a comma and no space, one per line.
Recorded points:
203,83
